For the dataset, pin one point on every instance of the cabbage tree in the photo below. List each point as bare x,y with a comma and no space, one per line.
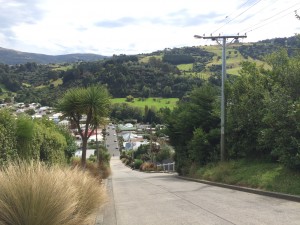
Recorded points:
85,107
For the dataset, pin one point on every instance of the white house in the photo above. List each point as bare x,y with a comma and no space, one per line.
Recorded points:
89,152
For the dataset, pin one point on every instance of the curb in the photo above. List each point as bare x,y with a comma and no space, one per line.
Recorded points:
294,198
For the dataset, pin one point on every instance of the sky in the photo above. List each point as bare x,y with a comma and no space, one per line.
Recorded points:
114,27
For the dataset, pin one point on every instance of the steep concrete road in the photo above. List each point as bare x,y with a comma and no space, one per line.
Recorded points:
156,198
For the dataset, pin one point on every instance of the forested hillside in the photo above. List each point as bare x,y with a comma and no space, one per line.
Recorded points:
165,73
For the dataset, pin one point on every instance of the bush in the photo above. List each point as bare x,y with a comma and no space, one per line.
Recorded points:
147,166
137,163
163,154
35,194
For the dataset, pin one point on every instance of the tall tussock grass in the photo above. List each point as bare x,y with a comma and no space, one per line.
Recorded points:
37,194
99,170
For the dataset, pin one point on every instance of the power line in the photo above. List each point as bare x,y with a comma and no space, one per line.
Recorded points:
260,10
228,16
237,16
275,15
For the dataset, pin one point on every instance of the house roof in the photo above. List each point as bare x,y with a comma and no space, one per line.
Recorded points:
129,136
127,127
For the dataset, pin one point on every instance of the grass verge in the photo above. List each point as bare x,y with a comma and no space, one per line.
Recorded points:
253,174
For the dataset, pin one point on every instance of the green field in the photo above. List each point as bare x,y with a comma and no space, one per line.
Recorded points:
145,59
57,82
155,102
185,67
62,67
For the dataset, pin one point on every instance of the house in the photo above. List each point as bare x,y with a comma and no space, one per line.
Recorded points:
89,152
130,136
126,127
93,137
64,123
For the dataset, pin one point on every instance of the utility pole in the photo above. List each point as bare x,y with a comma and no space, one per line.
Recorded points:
223,100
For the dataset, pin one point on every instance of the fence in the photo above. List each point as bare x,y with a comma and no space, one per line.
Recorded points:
168,167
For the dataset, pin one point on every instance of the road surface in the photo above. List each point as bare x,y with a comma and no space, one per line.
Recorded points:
138,198
111,141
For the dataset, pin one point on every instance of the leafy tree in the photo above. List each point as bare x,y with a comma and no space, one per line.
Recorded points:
164,153
91,104
193,117
167,91
150,115
146,92
124,111
245,111
281,118
8,150
70,140
263,111
129,98
142,152
24,136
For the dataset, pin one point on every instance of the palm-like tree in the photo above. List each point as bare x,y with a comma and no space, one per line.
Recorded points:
91,103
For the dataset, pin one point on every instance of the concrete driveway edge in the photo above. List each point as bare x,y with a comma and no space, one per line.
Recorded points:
245,189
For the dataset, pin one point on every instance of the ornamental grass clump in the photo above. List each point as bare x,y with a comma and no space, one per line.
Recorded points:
35,194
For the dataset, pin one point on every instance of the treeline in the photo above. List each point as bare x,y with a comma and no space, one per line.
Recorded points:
151,115
38,139
197,56
263,48
263,117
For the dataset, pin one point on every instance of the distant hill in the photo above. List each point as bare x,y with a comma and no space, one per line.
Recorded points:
12,57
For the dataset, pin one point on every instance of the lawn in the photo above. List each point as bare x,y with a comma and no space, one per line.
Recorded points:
155,102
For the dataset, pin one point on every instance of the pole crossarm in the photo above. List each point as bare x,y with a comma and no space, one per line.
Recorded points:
220,37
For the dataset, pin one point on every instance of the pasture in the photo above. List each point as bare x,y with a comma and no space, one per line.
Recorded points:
150,102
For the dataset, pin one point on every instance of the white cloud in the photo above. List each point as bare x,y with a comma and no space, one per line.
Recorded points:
137,26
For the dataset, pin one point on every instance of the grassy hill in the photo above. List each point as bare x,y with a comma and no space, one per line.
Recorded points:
233,58
233,61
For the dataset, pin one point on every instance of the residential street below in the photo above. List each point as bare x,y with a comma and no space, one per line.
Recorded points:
138,198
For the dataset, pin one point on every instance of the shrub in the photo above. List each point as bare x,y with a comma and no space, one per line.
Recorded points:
35,194
137,163
123,160
147,166
163,154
